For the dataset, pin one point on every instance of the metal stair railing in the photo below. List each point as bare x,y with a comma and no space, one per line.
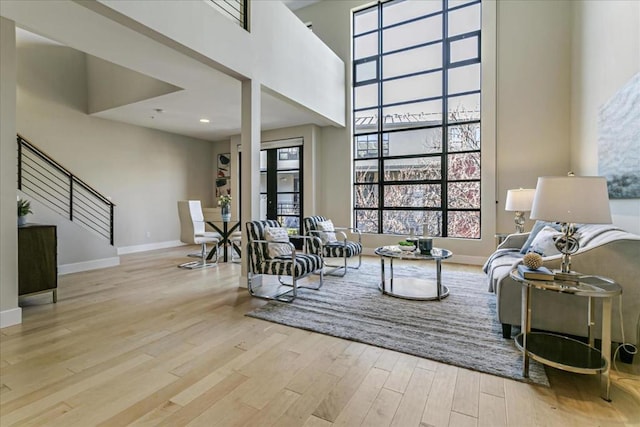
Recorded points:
235,10
45,179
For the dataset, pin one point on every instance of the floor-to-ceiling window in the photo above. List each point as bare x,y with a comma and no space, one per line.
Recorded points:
416,112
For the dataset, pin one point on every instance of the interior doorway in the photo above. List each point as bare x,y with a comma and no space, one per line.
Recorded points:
281,184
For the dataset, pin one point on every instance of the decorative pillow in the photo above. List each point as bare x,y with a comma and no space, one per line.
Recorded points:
277,234
544,243
539,225
326,229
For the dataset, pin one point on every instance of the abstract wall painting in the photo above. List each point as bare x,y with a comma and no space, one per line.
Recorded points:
619,141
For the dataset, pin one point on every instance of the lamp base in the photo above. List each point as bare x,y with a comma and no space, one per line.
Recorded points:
519,221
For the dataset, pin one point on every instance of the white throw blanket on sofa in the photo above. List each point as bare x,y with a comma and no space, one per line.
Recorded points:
589,236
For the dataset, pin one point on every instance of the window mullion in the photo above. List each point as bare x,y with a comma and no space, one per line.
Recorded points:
444,201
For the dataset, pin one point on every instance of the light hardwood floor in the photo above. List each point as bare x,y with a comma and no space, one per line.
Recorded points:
147,343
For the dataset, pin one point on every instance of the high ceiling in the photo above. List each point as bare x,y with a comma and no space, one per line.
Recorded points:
217,100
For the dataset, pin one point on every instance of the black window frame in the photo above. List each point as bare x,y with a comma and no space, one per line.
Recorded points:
382,129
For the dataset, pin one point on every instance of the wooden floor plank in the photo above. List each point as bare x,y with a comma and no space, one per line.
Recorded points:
467,393
414,399
492,411
332,405
361,401
401,373
146,343
383,408
437,411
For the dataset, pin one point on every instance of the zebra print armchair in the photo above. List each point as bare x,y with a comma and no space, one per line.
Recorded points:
270,253
333,244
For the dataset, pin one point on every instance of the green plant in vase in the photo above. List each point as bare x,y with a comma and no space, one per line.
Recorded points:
224,201
24,208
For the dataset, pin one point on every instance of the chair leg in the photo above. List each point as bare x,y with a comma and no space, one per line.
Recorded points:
334,271
287,296
202,263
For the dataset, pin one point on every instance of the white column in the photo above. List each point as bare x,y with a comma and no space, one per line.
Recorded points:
10,313
250,173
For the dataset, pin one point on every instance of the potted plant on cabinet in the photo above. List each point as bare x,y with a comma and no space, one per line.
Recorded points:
24,208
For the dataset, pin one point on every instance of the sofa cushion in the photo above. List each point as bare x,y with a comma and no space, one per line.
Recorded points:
277,234
327,231
539,225
544,242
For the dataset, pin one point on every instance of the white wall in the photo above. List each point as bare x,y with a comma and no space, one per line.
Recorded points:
10,313
534,89
606,54
279,51
143,171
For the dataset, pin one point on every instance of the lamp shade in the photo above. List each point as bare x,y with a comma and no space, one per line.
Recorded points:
519,200
572,199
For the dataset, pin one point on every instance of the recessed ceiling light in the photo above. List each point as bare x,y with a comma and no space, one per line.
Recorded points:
204,120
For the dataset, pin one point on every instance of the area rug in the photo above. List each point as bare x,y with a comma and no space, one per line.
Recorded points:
460,330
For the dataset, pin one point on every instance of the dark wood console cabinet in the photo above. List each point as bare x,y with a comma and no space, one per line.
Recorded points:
37,260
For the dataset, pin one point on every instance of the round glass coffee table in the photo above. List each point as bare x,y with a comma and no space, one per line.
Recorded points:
411,287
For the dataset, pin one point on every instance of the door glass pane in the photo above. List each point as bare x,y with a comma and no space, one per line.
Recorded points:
263,206
288,204
263,160
263,182
288,158
288,182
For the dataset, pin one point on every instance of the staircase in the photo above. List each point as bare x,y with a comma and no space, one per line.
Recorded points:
50,183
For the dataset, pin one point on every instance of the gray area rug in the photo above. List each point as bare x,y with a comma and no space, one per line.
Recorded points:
460,330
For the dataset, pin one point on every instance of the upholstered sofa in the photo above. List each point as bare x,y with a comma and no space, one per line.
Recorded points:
605,250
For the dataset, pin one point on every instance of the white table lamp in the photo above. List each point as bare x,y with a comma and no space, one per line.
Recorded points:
519,201
571,200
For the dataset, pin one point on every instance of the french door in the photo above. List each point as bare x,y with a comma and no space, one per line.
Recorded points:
281,186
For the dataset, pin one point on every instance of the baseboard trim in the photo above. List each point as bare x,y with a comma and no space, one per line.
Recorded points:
88,265
148,247
10,317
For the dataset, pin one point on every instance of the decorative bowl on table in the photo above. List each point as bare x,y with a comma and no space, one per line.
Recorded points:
406,246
